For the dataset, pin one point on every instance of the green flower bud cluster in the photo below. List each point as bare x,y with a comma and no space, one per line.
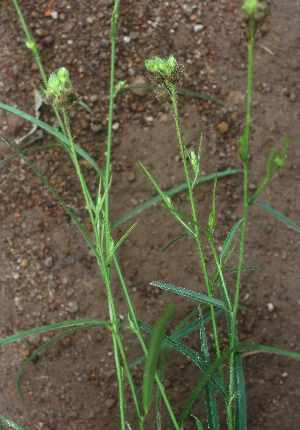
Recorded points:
57,82
256,12
164,67
250,6
166,74
60,92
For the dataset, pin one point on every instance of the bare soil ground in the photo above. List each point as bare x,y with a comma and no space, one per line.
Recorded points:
47,273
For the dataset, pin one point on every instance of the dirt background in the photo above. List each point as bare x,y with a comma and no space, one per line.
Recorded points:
47,272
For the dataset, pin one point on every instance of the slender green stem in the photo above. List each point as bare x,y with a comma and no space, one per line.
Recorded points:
197,233
245,211
34,49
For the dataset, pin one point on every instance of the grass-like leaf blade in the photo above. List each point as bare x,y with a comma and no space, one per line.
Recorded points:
42,329
70,212
229,239
208,374
190,353
199,425
189,293
209,395
54,133
10,423
240,419
46,344
179,90
279,216
171,192
153,356
178,335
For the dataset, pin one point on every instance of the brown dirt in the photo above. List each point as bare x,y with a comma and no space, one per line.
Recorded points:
47,273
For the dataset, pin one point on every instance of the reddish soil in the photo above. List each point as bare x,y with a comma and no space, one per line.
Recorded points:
47,272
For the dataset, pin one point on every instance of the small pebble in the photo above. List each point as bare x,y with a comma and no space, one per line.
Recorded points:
48,261
270,307
139,80
96,127
73,307
198,28
223,127
109,403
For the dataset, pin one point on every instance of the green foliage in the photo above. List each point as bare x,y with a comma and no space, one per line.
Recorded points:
165,75
153,356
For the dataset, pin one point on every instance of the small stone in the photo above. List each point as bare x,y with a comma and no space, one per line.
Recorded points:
252,187
223,127
48,41
96,127
94,98
42,166
26,352
126,39
131,177
54,15
15,123
268,228
139,80
24,263
22,177
84,124
134,201
105,43
87,165
198,28
109,403
90,19
73,307
35,339
70,292
270,307
70,260
115,126
73,415
48,262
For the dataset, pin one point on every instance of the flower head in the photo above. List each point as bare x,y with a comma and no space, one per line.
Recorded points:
60,92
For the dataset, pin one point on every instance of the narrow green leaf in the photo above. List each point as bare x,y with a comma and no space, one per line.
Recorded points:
171,192
46,344
279,216
244,269
209,395
178,335
229,239
29,150
190,353
153,356
10,423
189,293
175,240
208,374
199,425
179,90
72,215
240,420
52,131
44,328
119,242
181,214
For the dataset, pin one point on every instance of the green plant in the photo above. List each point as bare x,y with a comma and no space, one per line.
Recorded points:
167,74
